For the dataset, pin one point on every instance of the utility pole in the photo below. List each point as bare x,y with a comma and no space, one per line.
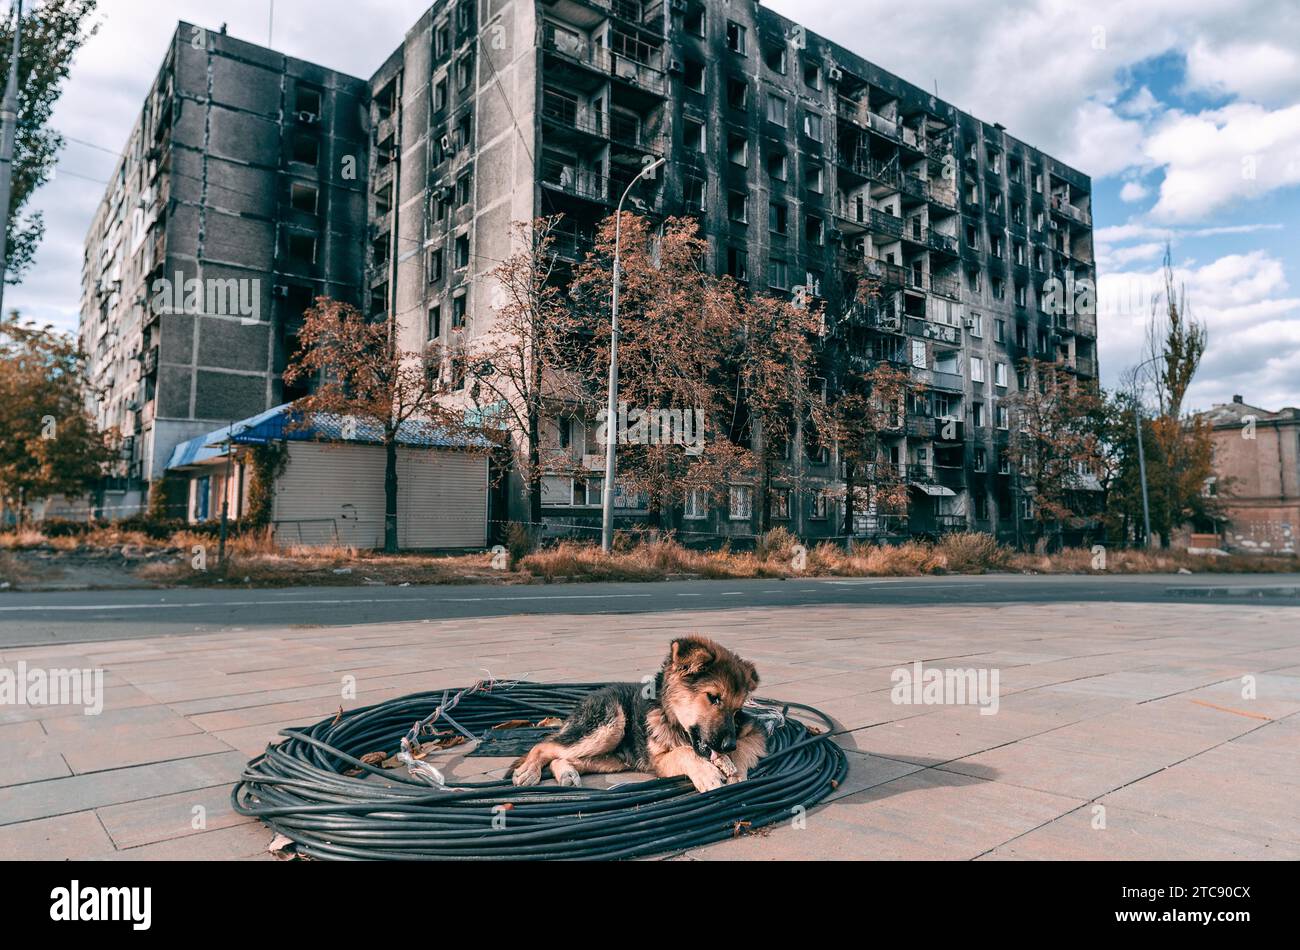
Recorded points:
9,119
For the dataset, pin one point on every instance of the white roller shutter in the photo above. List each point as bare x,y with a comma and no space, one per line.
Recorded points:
331,493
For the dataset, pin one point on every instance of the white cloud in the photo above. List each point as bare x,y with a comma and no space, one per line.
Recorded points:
1217,158
1133,191
1252,319
1262,71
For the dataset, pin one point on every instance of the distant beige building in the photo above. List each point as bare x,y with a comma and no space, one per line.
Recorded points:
1257,468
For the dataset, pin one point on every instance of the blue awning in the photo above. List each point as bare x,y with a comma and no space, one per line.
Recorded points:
283,423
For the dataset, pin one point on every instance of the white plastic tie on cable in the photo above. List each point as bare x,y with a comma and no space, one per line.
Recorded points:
418,768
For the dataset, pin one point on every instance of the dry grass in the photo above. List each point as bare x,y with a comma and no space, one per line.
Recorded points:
254,559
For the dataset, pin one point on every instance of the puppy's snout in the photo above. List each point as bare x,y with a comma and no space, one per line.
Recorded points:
726,744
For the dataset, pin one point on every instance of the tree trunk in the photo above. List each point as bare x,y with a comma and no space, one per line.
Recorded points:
534,464
848,502
390,494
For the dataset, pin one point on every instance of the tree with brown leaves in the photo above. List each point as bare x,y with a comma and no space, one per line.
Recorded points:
775,363
865,408
49,444
678,328
1054,446
358,371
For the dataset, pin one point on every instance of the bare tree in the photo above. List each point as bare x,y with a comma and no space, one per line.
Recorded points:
527,361
360,372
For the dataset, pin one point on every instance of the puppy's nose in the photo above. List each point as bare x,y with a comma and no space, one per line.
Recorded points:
727,745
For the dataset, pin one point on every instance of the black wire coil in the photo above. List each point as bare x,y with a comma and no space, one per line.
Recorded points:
299,790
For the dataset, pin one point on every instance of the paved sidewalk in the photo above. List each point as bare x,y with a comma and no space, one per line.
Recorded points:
1122,731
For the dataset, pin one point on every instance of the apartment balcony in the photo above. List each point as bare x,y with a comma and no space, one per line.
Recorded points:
1076,324
939,332
949,287
561,113
1061,206
938,379
571,244
635,135
918,427
943,196
950,524
577,182
646,15
628,61
889,275
914,187
887,224
876,315
950,476
1084,366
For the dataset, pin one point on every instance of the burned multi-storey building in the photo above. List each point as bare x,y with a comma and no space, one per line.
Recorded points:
239,197
804,164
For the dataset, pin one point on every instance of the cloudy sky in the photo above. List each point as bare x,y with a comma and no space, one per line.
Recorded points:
1185,112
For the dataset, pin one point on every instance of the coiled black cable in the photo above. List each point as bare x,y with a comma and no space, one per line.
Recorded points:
299,789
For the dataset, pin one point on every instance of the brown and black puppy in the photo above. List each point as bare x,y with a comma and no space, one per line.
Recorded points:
680,725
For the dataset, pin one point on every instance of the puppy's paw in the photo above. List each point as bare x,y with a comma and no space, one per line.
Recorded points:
739,776
526,774
706,777
567,775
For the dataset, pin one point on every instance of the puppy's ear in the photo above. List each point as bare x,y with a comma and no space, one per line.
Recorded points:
690,655
751,675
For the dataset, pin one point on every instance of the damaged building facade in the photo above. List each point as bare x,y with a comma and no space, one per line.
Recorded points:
806,166
803,162
239,198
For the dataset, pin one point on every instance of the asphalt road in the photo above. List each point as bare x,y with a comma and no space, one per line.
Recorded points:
84,616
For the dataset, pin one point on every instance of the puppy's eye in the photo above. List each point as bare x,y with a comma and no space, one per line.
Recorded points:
714,698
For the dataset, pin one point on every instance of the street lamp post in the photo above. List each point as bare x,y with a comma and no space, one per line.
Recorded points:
9,118
1142,456
611,408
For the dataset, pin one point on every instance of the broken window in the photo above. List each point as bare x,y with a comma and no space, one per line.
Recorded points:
812,178
812,126
774,56
458,303
737,149
812,75
778,275
694,194
464,187
814,229
436,263
306,150
693,135
462,252
738,263
736,37
693,21
776,165
433,329
737,203
777,218
465,71
302,248
440,95
303,197
693,75
737,93
776,110
307,101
